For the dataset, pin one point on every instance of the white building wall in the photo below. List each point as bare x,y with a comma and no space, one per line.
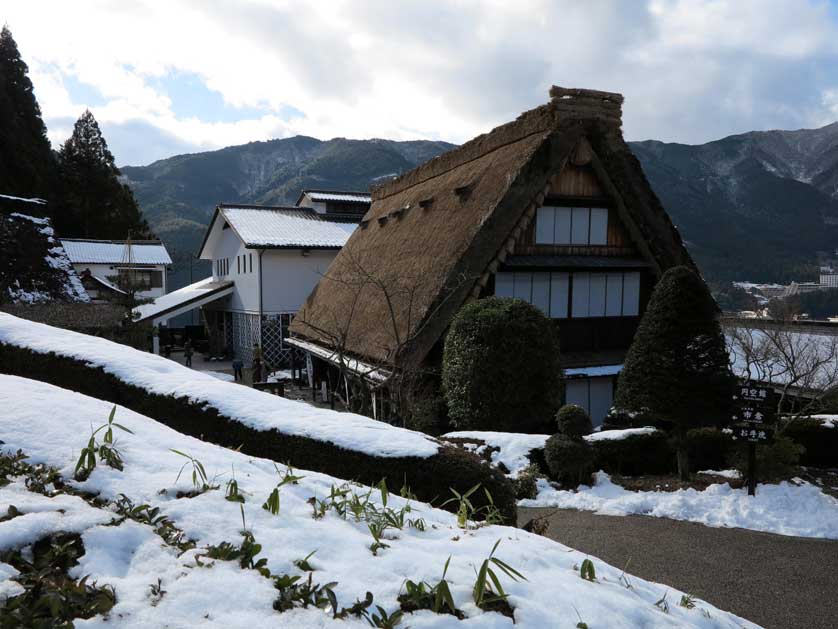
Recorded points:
288,277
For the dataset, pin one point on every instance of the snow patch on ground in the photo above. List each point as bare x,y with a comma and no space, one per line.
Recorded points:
261,411
801,510
52,424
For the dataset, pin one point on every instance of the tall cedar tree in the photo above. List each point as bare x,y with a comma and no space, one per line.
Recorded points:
677,368
27,164
95,204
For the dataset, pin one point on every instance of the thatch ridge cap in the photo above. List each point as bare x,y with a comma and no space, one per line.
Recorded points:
565,104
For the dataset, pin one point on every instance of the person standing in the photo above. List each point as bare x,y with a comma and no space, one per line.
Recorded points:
187,352
257,363
237,370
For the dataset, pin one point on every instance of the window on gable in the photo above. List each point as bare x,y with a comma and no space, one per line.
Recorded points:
580,295
571,226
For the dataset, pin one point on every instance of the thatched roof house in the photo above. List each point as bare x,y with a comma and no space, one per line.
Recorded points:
496,211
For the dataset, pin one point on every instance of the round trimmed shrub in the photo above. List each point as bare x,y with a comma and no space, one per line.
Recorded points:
500,367
570,461
574,421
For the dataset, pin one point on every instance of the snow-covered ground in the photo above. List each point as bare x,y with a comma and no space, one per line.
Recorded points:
800,509
258,410
51,425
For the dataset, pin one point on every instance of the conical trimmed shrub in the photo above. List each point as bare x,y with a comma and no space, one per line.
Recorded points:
677,369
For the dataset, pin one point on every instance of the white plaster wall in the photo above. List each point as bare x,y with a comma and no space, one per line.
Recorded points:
288,277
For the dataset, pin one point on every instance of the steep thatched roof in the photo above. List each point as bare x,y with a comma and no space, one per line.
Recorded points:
433,236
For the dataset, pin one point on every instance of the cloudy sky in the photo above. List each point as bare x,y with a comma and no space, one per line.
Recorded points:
173,76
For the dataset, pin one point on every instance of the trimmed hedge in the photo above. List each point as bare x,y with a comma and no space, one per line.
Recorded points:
821,442
636,455
430,479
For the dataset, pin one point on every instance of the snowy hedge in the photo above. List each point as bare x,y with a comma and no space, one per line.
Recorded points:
342,444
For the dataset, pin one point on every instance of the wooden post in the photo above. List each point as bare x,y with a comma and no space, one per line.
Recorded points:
752,469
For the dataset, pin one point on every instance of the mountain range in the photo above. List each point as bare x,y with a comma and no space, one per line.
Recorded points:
755,206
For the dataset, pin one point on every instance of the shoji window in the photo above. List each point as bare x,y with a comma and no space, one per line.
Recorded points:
594,294
571,226
599,226
546,291
631,294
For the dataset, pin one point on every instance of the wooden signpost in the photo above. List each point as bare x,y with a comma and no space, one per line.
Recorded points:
755,407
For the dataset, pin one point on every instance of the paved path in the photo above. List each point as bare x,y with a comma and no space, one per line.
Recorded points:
772,580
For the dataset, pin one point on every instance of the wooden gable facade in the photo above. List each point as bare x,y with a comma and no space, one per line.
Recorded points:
590,277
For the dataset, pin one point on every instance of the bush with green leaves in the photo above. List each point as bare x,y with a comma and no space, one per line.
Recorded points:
677,368
107,450
501,368
820,441
571,461
574,421
525,483
774,462
709,448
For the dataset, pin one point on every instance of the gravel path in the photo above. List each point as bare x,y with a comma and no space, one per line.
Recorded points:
773,580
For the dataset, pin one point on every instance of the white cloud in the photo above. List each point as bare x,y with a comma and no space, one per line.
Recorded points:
691,70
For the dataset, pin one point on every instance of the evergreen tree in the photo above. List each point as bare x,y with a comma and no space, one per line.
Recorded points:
95,204
677,368
27,164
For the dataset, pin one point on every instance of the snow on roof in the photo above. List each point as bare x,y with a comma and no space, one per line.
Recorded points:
107,284
114,251
255,409
129,555
286,227
343,197
180,297
34,200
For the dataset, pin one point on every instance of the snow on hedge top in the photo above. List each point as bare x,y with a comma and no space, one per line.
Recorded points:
618,435
514,448
258,410
52,425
